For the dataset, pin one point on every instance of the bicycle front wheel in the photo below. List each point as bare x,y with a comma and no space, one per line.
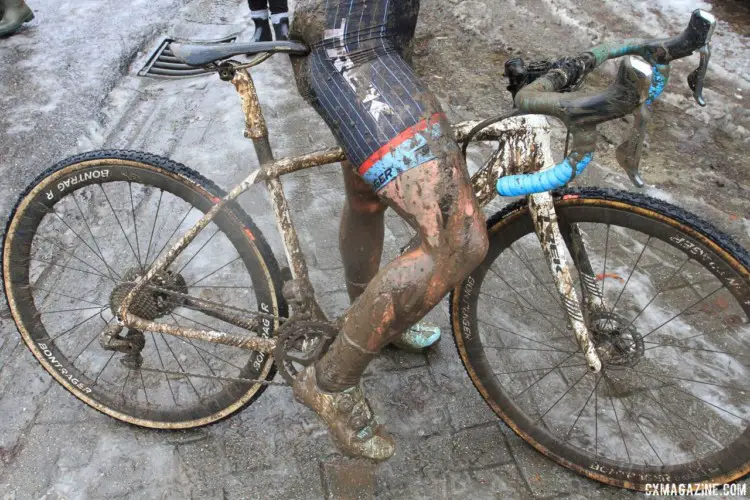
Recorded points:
672,402
78,238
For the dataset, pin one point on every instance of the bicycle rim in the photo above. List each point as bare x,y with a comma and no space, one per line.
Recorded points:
96,221
672,403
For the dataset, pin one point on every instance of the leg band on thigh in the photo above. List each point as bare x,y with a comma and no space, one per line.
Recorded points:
409,149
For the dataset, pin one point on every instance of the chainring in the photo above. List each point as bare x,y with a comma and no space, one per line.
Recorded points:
300,344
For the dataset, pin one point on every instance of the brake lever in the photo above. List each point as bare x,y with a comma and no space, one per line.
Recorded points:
697,77
628,153
702,25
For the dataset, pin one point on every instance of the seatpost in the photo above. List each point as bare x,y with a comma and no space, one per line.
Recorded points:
299,291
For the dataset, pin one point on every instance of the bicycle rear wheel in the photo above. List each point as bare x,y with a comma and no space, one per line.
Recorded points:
672,402
93,223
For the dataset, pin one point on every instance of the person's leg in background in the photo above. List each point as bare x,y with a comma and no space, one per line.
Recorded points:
15,13
279,17
259,15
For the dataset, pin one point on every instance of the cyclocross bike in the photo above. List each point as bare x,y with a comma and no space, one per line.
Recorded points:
608,329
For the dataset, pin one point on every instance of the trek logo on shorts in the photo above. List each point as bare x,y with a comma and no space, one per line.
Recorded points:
407,150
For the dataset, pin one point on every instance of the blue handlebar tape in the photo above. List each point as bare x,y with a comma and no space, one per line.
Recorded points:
659,80
539,182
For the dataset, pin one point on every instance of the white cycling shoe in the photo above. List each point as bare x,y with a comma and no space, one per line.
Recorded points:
419,337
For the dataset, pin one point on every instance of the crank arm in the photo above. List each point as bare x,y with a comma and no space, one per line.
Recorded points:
543,213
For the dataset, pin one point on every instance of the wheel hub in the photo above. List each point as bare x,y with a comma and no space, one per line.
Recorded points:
149,304
618,342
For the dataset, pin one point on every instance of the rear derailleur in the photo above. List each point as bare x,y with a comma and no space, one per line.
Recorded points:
131,344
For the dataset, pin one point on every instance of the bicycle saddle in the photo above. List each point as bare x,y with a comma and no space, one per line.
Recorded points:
200,55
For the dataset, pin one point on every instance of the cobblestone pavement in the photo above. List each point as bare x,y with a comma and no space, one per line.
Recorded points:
51,446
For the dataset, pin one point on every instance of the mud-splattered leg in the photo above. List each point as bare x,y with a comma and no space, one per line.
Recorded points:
436,199
361,232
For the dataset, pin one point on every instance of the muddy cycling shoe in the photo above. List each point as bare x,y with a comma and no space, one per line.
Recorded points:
15,14
349,418
419,337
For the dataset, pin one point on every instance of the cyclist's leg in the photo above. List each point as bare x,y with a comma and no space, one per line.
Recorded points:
361,246
436,198
393,128
361,232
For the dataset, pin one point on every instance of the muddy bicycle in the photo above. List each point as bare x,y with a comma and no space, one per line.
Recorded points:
607,328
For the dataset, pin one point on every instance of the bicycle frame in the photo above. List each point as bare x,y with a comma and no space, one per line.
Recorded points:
524,146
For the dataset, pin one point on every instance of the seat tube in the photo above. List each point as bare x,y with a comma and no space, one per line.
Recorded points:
543,214
300,290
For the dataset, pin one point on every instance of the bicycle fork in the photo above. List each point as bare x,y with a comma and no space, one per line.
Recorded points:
547,230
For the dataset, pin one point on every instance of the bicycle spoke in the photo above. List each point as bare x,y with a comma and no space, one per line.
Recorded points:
204,350
88,227
89,247
554,296
161,362
106,324
170,237
538,369
145,393
68,296
58,245
211,370
640,429
683,311
521,336
504,348
223,286
679,414
658,292
604,270
691,348
627,281
199,251
544,376
103,368
214,272
153,227
677,437
118,222
69,310
515,304
596,417
76,326
135,225
122,389
617,418
71,268
181,368
596,385
740,389
567,391
525,300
